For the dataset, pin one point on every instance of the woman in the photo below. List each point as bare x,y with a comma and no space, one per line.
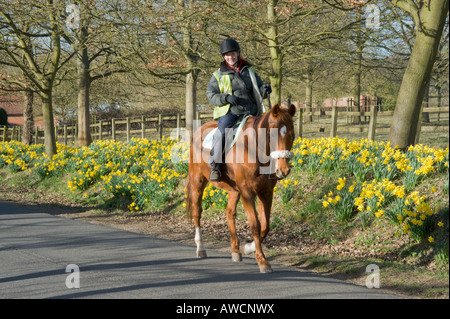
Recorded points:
235,90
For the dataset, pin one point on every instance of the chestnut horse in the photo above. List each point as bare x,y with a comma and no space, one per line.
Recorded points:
259,157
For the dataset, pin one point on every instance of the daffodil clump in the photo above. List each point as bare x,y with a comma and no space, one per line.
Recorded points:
140,172
377,181
214,197
286,189
383,180
19,157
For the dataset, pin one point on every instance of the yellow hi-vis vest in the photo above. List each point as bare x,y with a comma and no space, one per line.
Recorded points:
225,86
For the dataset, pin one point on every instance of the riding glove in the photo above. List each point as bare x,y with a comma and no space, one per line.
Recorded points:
233,100
239,110
266,90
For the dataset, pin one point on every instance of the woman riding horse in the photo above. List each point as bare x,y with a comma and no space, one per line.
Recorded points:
266,140
234,89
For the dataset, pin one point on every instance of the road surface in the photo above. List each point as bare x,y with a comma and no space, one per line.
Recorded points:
46,256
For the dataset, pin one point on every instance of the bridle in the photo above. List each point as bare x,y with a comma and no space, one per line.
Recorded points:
279,153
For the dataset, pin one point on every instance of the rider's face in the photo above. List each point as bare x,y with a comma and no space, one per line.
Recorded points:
231,57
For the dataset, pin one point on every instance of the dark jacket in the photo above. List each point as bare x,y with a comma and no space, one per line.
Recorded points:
241,86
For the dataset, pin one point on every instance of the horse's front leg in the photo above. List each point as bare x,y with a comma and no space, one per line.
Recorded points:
248,201
264,207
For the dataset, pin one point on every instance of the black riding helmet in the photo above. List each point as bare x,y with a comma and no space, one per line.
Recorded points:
229,45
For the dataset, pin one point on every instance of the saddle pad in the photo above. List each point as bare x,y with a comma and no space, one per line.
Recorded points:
207,142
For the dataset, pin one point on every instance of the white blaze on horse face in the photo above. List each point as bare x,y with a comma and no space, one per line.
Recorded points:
283,131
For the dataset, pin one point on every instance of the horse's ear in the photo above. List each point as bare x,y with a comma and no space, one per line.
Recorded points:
275,110
292,110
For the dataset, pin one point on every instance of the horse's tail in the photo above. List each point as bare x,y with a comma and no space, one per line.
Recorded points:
188,199
188,185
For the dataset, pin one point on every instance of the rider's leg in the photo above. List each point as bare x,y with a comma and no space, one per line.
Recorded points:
216,158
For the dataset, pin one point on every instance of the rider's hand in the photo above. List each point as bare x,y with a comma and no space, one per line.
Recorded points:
266,90
238,110
233,100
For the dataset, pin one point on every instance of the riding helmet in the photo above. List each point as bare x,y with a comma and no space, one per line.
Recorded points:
228,45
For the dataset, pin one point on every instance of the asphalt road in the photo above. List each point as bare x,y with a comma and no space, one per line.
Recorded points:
36,248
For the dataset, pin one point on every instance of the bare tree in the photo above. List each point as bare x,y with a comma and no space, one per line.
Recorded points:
31,29
429,18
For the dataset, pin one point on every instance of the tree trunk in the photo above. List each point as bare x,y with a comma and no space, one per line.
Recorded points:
191,59
275,52
84,83
28,120
308,97
49,124
357,74
426,103
191,100
432,18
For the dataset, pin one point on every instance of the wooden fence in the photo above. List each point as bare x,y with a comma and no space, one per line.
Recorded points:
330,122
339,122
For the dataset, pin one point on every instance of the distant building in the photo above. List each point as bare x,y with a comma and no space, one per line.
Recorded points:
345,102
366,101
13,105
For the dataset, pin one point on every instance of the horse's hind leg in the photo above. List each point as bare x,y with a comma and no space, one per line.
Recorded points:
196,193
233,199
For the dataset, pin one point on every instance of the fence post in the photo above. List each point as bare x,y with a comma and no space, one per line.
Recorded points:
299,132
178,124
128,129
373,122
72,132
100,129
334,117
160,126
143,127
36,130
65,134
113,129
419,125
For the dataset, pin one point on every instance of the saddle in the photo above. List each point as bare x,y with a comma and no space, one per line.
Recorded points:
208,141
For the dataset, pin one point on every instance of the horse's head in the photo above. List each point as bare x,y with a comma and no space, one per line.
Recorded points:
282,124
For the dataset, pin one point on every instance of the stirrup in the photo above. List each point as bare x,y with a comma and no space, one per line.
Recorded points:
215,175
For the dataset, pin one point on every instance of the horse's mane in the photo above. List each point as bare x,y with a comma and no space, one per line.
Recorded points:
280,114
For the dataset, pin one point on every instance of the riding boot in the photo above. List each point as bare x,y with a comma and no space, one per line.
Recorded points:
215,174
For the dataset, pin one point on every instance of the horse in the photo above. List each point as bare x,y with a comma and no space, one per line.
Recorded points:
257,160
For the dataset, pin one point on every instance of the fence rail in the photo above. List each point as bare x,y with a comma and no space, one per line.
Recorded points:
321,122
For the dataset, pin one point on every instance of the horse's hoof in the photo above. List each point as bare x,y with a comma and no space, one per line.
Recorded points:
265,269
236,257
201,254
